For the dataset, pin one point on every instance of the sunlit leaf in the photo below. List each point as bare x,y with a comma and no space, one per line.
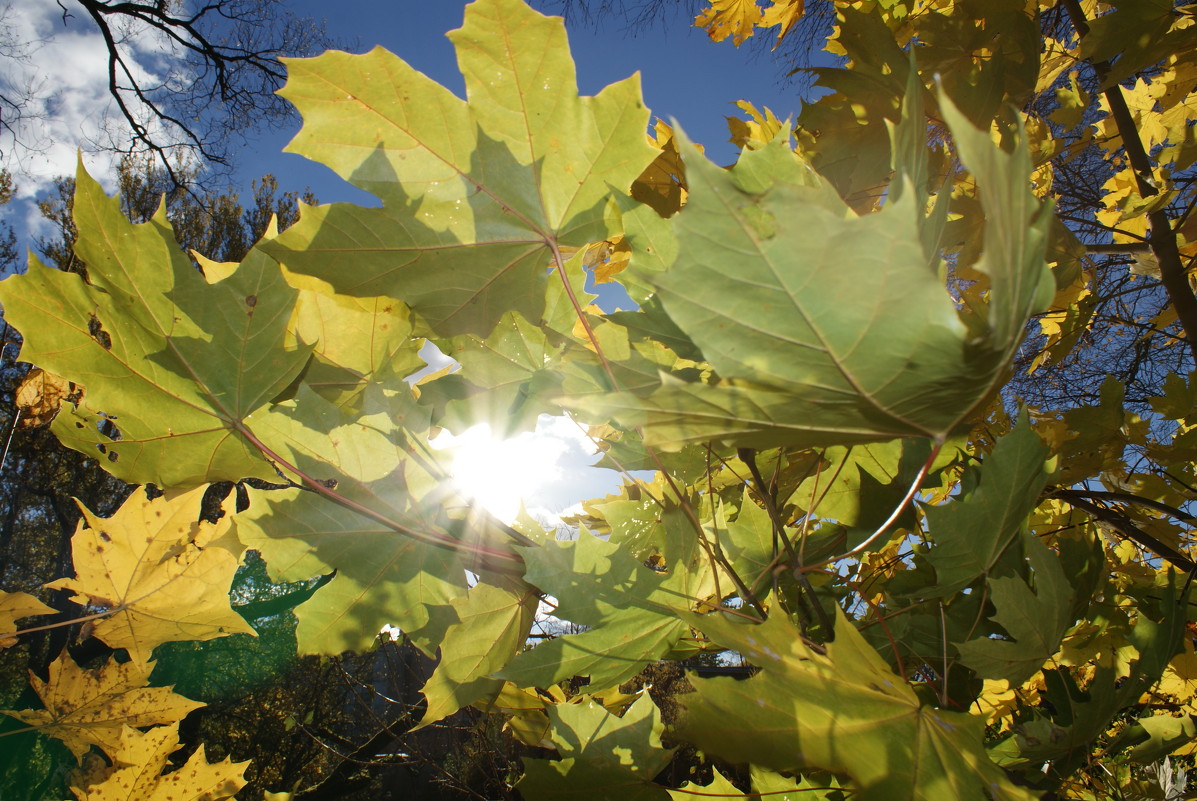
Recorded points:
809,327
174,363
602,586
13,607
159,572
492,625
136,772
601,754
92,707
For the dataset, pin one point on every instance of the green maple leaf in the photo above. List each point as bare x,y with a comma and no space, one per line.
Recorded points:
492,626
358,341
842,711
503,381
972,533
601,585
1035,619
382,578
825,327
477,195
177,363
603,755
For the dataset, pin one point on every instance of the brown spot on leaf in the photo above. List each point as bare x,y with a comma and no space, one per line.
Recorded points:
40,395
97,332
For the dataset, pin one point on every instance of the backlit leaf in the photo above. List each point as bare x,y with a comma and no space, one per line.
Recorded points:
843,711
602,754
13,607
626,603
175,363
492,626
810,327
734,18
519,169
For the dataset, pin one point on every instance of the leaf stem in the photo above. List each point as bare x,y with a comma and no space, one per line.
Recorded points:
62,623
748,456
915,486
715,552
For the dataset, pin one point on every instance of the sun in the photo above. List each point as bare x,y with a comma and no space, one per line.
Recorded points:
498,474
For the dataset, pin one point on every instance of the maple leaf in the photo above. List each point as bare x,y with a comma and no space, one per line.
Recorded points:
603,755
15,606
93,707
381,578
161,575
783,13
842,711
478,196
1035,620
973,531
724,18
630,607
808,327
174,361
492,626
662,185
136,772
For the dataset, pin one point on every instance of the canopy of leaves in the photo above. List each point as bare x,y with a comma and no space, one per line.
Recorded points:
933,597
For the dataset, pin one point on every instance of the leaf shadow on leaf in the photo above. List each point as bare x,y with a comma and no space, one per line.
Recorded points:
460,253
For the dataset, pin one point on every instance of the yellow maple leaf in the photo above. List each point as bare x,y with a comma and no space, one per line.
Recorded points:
13,607
724,18
662,185
608,258
136,772
759,130
1057,56
162,575
783,13
998,701
90,707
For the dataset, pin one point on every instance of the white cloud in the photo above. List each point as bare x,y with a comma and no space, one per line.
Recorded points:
60,70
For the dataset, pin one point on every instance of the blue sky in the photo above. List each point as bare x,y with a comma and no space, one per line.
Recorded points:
684,75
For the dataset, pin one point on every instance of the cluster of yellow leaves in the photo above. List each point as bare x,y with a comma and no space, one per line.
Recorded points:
998,701
738,18
136,772
154,574
106,708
